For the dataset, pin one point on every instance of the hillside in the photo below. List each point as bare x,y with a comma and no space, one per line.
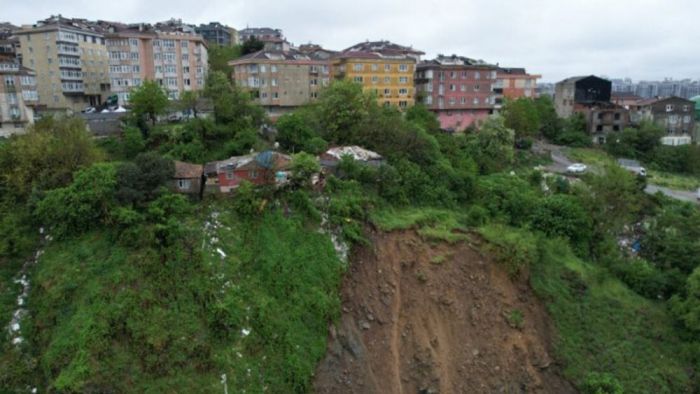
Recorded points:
433,317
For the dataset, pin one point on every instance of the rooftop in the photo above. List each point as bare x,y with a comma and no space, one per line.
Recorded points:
380,49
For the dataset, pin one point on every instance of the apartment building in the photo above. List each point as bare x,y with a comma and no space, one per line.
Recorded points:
70,60
457,89
675,115
591,97
385,68
18,96
171,54
283,80
514,83
218,34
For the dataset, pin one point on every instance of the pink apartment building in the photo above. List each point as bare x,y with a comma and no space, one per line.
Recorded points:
458,89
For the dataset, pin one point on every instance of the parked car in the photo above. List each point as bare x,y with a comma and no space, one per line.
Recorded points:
577,168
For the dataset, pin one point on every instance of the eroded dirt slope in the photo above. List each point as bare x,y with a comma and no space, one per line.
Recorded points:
422,317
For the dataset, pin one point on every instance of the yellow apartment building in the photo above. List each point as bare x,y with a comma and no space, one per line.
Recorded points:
385,68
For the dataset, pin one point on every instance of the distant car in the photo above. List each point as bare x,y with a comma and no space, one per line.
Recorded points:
89,110
577,168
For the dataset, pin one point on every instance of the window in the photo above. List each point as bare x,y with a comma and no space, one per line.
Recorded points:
275,95
229,174
669,107
263,68
403,67
387,79
599,128
403,104
477,75
463,100
403,91
387,92
453,88
464,75
387,67
136,68
685,108
374,67
453,74
617,116
186,69
476,101
252,174
375,79
452,101
273,68
403,80
463,88
358,67
273,82
133,42
358,79
184,184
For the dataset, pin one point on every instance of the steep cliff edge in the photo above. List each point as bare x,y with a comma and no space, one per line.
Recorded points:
425,317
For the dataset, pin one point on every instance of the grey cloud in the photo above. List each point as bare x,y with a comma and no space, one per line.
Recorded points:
642,39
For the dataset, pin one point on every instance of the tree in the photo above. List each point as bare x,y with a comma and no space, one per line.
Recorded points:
550,123
635,142
522,116
341,109
46,156
219,56
143,179
188,102
81,205
601,383
421,116
492,146
563,215
232,106
303,167
149,100
293,132
252,45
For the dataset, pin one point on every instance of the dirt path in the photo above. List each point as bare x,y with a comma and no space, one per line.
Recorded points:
420,317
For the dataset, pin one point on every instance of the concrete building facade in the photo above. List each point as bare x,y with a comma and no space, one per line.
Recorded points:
385,68
70,60
18,96
218,34
514,83
283,80
459,90
591,97
173,56
675,115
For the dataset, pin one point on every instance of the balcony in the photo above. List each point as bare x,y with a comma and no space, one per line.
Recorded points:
498,90
10,88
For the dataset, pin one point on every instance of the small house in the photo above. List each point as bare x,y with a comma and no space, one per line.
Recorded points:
187,178
264,168
331,158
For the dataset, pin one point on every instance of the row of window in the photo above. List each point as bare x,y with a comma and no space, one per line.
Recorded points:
276,95
71,74
72,86
375,67
375,79
253,68
72,37
25,80
124,69
122,42
465,74
121,55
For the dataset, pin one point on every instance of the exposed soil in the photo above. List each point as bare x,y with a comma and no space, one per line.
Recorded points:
424,317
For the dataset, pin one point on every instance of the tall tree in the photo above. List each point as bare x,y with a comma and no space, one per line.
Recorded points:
149,99
252,45
219,56
188,102
521,115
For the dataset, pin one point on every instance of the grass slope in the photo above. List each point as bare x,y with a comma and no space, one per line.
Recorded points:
106,318
604,326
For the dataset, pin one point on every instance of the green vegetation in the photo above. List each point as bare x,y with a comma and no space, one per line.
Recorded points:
604,327
145,290
516,319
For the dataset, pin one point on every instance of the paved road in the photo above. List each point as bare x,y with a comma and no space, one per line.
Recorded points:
682,195
560,162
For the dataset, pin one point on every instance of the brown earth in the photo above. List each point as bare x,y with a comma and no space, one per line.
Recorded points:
425,317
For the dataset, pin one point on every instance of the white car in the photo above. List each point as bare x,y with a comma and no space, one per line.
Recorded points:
577,168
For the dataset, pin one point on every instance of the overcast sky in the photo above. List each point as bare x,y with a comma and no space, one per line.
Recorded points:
641,39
